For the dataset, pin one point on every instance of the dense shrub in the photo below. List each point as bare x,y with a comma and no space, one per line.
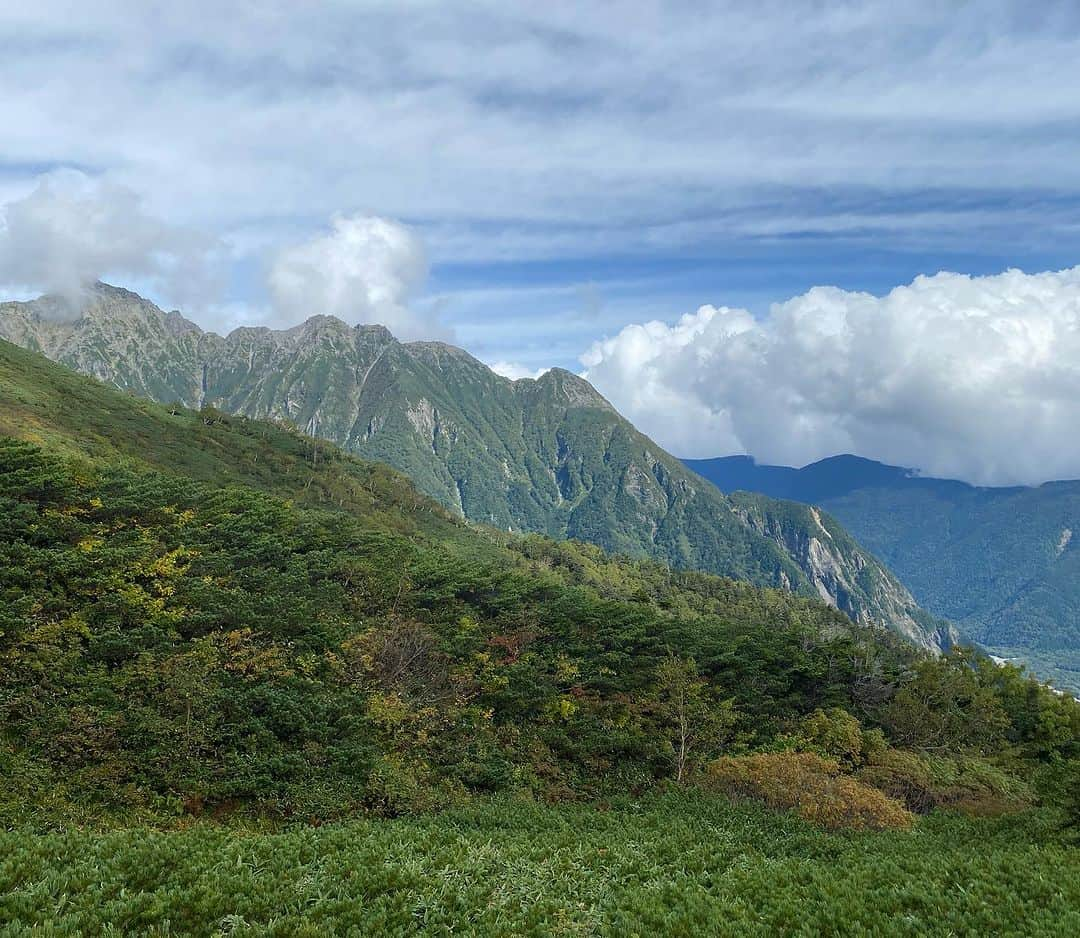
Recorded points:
681,865
170,645
972,786
904,776
976,787
948,705
169,642
812,785
838,735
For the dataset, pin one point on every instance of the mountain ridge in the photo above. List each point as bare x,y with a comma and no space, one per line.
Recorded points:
549,455
205,614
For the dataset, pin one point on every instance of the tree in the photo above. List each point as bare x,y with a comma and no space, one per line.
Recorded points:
944,707
693,722
838,735
402,658
1072,800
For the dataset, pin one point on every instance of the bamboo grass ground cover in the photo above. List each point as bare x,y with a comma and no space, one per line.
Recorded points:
677,864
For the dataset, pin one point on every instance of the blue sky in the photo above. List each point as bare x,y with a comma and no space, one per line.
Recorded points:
600,294
561,172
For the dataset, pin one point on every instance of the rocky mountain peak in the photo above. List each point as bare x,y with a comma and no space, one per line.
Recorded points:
566,387
178,325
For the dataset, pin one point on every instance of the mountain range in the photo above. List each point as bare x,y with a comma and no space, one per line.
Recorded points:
549,455
202,614
1002,563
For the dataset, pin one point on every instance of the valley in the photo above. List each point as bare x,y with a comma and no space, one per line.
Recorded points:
1001,563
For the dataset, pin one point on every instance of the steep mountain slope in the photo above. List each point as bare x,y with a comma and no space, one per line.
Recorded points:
200,612
549,455
1003,563
68,414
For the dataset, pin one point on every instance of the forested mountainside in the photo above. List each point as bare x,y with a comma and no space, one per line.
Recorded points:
206,612
1002,563
547,455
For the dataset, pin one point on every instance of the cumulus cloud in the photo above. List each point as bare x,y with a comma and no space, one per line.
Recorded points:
514,371
529,135
72,229
971,377
365,270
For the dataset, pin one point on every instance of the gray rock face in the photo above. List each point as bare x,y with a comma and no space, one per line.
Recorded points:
548,455
842,573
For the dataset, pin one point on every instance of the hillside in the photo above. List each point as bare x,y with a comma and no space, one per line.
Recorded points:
1003,563
205,613
548,456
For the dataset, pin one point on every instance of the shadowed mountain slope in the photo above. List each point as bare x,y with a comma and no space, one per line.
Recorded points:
1002,563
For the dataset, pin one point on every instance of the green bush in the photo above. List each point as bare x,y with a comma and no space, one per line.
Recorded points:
837,734
245,629
681,865
969,785
904,776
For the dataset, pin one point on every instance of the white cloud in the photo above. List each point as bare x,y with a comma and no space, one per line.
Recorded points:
514,371
363,271
622,137
972,377
72,229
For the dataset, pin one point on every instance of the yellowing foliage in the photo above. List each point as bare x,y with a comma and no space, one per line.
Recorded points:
811,785
241,651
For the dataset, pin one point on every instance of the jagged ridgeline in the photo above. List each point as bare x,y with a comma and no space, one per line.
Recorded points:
549,455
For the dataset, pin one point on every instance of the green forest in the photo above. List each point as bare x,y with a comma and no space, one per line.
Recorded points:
260,660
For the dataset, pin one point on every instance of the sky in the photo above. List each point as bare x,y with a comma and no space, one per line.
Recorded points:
776,228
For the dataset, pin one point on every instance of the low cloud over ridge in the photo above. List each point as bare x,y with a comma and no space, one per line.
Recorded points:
364,270
72,229
514,371
969,377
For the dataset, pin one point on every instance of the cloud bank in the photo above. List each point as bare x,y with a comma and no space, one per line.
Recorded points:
969,377
571,143
568,126
72,229
365,270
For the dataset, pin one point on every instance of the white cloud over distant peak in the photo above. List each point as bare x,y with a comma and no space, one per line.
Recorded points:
971,377
364,270
514,371
72,229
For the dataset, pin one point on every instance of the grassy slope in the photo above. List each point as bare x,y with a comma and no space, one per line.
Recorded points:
669,866
674,866
42,403
548,456
124,587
